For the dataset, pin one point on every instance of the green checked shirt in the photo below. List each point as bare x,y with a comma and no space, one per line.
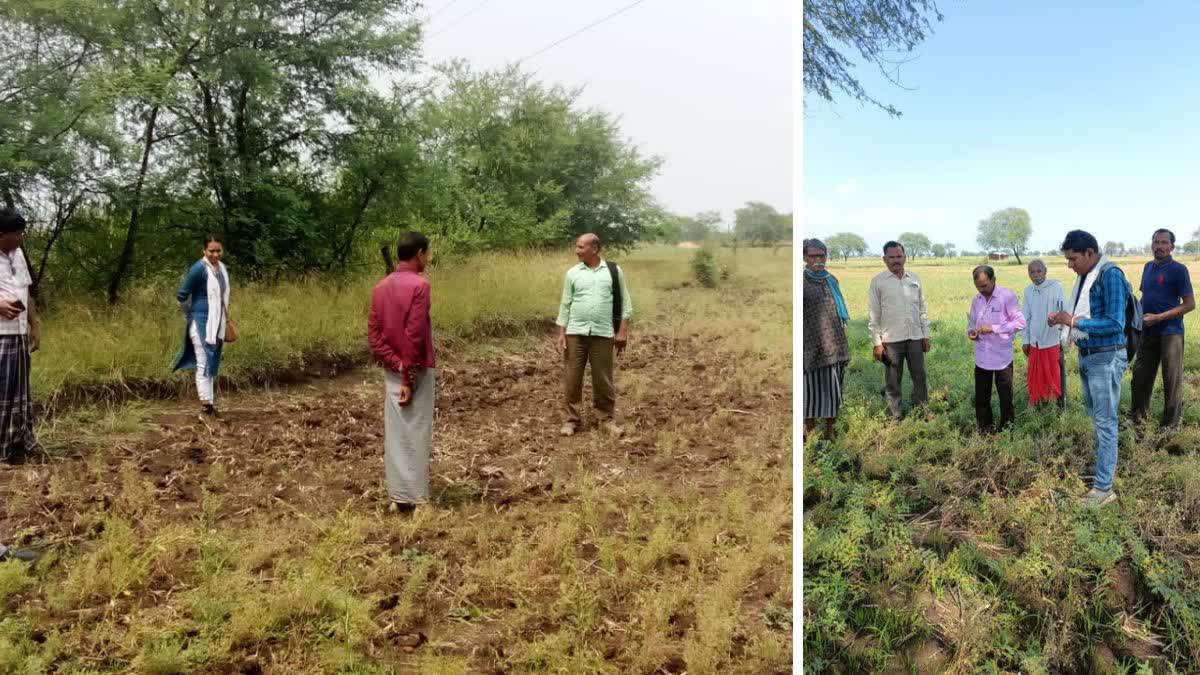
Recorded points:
587,301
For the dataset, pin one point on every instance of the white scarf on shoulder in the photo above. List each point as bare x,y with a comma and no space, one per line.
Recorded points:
1083,309
217,305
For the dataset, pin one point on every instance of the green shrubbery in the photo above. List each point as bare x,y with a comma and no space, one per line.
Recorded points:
704,267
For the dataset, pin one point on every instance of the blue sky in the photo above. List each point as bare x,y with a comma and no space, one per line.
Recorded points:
1085,114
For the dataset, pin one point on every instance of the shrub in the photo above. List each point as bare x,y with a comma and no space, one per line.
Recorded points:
704,268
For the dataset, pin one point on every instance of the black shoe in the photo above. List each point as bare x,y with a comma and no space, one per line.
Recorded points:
22,554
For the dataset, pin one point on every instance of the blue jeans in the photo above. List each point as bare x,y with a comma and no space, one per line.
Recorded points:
1100,375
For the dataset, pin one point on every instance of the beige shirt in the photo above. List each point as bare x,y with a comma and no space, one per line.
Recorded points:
896,308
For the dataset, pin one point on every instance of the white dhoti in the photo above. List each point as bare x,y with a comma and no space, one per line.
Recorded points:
408,438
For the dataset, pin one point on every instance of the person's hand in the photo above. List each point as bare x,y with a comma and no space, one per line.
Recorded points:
985,329
1025,349
620,340
925,345
1060,319
405,396
973,334
35,337
8,310
1151,319
561,343
878,355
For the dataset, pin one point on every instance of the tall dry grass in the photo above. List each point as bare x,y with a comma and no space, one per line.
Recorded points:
287,328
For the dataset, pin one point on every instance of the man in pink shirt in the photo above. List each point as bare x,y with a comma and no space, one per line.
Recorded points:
401,336
994,319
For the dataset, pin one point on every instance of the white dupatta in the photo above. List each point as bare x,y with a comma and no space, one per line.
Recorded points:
217,304
1083,307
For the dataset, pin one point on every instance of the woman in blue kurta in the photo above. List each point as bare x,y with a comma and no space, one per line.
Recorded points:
204,298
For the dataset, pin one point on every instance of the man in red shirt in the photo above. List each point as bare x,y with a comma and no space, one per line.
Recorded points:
401,337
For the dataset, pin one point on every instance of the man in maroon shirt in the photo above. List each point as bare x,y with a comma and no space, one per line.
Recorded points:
401,337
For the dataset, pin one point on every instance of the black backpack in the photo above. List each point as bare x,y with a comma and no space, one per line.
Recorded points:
1133,314
616,294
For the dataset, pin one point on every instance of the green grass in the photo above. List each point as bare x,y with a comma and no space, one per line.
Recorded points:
928,546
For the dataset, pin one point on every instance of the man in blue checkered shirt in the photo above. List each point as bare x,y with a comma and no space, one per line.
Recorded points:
1097,327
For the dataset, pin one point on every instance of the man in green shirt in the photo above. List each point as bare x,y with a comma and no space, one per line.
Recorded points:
586,322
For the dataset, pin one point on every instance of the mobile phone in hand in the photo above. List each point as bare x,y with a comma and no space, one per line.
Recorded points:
20,306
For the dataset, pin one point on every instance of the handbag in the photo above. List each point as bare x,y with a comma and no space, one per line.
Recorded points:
231,334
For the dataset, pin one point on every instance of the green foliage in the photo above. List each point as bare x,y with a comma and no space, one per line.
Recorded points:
760,224
704,267
1006,230
942,251
514,163
14,577
979,541
916,245
877,30
846,244
138,132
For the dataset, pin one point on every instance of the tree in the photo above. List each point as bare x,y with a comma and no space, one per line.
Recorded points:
514,162
876,29
846,244
129,129
950,250
701,226
915,244
938,250
760,224
1114,248
1007,229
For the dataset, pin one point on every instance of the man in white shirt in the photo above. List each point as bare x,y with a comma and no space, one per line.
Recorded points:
19,337
898,322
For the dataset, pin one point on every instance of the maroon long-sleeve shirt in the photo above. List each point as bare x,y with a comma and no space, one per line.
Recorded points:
398,325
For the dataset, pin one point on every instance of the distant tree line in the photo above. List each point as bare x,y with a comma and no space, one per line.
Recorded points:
755,224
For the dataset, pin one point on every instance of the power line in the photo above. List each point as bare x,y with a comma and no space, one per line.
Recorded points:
591,25
441,9
459,20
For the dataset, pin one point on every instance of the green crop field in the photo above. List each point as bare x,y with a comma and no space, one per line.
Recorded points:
931,548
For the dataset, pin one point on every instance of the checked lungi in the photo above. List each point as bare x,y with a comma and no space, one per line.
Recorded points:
16,407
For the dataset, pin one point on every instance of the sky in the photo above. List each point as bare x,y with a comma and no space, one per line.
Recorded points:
1083,114
704,84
